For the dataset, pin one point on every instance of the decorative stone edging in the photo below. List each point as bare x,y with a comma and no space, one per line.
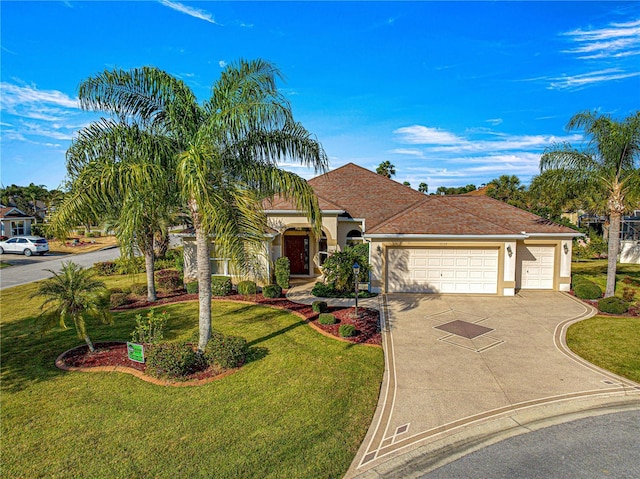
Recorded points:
135,372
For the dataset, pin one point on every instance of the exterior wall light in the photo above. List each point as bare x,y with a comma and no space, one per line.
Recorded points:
509,251
565,247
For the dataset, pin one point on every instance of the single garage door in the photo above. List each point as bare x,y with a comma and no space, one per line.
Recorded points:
535,267
442,270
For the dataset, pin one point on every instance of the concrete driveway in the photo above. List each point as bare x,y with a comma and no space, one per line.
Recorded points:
465,371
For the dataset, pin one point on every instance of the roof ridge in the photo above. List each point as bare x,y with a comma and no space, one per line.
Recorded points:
402,212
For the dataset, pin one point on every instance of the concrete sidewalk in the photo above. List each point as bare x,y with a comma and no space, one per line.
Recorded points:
463,371
300,292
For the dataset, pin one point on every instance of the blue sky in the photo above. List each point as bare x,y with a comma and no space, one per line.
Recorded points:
451,93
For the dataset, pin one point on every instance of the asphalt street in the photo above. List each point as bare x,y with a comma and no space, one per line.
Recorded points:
606,446
25,270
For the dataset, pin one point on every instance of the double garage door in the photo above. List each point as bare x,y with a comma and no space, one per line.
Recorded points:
442,270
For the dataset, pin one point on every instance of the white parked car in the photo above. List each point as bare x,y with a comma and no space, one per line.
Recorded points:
26,245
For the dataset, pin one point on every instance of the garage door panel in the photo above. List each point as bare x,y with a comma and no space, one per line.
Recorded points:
443,270
535,267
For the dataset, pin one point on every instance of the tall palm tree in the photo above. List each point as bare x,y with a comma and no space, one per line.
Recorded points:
386,169
122,170
73,294
227,154
610,162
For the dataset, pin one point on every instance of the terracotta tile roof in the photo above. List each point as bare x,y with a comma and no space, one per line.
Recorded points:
392,208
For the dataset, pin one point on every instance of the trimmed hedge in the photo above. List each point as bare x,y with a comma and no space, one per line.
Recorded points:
226,351
283,272
172,360
347,330
326,318
168,279
319,307
192,287
272,291
106,268
139,289
613,305
220,285
586,289
118,299
247,287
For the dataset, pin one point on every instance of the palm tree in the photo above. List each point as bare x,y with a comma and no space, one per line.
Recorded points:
609,161
73,294
227,153
507,189
423,188
386,169
121,170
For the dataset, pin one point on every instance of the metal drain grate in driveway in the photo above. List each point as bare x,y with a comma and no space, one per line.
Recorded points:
464,329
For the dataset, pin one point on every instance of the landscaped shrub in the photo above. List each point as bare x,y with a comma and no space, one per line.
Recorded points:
319,307
338,267
192,287
347,330
91,235
247,287
628,294
586,289
162,264
118,299
120,290
220,285
126,265
139,289
322,290
272,291
171,360
283,272
613,305
226,351
150,329
106,268
168,279
326,318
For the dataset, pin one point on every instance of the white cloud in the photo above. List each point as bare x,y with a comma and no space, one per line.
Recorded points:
423,135
193,12
585,79
408,152
14,95
494,121
222,63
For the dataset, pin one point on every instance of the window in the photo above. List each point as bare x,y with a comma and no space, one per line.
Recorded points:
219,266
354,237
17,228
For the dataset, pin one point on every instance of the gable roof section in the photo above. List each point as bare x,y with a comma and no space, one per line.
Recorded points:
13,212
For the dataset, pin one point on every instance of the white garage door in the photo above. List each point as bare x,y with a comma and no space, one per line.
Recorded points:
445,270
535,267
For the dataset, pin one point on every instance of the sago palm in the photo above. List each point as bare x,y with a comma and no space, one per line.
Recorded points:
609,162
74,295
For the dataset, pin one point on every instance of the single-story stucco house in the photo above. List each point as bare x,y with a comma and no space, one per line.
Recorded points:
14,222
421,243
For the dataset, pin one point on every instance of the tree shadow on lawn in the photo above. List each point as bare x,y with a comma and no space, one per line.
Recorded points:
277,333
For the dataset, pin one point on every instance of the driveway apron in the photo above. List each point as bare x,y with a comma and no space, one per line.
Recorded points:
464,367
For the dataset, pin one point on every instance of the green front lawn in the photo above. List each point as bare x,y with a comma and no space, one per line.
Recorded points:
610,342
627,275
300,409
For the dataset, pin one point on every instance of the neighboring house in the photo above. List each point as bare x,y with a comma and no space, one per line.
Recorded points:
422,243
14,222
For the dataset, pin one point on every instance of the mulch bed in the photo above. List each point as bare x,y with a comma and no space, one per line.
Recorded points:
367,324
114,354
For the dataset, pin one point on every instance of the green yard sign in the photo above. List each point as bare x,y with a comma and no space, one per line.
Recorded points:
136,352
